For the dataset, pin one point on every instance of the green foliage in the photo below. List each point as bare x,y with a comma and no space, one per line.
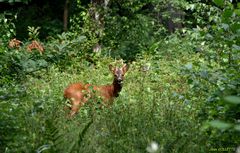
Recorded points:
43,14
7,29
17,63
33,33
83,23
129,36
123,35
15,1
201,14
181,93
219,2
216,75
140,114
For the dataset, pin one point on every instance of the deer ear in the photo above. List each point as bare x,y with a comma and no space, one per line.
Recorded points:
111,68
125,68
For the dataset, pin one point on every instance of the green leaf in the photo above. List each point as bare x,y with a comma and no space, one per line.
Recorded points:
237,11
227,13
236,47
220,124
237,127
42,63
235,27
189,66
218,2
225,26
232,99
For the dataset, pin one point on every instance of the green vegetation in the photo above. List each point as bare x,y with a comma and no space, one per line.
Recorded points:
180,95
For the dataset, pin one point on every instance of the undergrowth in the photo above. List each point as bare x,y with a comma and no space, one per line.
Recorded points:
181,93
163,102
151,108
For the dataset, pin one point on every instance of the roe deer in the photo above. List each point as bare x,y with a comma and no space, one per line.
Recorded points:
79,93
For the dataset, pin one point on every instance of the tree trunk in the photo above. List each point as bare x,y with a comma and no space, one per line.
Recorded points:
174,14
65,15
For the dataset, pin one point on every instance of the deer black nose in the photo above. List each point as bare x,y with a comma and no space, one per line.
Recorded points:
119,81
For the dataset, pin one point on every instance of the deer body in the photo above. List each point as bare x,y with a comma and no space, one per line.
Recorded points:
79,93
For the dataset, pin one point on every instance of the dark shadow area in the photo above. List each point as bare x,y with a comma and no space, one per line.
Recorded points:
48,15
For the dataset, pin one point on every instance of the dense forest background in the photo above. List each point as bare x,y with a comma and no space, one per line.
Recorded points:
181,93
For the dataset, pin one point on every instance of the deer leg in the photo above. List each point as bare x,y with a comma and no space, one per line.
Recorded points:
75,107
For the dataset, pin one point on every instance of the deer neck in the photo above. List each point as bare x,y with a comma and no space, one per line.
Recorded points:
116,88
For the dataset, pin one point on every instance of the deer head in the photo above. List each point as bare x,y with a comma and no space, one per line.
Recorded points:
118,73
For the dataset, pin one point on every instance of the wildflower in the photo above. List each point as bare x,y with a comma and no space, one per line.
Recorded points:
35,45
153,147
14,43
146,67
238,149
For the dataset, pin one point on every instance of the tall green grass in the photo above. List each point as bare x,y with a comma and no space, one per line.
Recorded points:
151,108
158,105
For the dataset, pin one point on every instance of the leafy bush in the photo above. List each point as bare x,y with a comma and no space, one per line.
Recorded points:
181,93
7,30
150,108
216,76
